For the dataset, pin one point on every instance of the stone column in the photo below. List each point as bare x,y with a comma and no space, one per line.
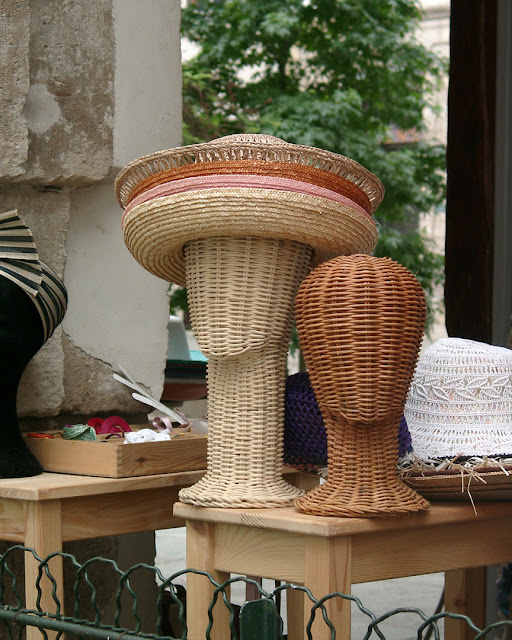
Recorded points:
75,107
86,87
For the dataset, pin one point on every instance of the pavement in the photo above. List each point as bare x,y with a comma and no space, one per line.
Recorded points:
422,592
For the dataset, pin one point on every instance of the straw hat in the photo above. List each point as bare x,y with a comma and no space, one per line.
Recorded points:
460,400
459,414
247,147
249,185
20,263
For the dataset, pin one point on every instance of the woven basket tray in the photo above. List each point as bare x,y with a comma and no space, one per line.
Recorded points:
490,484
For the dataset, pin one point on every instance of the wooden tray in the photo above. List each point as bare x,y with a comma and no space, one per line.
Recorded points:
493,484
113,459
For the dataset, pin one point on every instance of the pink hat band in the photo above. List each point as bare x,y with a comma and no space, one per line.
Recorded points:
248,180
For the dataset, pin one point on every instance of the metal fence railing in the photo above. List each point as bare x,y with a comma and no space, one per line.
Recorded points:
85,615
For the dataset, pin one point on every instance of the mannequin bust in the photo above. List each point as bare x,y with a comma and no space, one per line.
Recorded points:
21,337
360,321
33,301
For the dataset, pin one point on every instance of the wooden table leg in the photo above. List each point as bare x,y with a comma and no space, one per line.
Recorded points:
201,555
43,533
295,615
327,568
464,593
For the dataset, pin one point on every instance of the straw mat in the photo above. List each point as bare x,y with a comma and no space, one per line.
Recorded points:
241,293
247,147
360,321
155,232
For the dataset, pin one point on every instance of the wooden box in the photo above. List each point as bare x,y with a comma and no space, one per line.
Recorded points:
113,459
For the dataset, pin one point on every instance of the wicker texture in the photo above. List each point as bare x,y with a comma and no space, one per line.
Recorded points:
241,293
219,181
155,232
360,322
241,236
305,438
247,147
303,173
473,484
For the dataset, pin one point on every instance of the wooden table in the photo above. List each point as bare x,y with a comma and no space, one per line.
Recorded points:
329,554
44,511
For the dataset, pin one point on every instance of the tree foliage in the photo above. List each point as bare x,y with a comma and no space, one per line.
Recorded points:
344,75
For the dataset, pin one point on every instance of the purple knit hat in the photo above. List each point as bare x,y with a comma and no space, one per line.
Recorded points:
404,438
305,438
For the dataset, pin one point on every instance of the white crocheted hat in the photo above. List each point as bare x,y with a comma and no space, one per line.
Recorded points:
460,401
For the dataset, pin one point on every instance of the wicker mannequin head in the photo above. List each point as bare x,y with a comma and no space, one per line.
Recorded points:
233,285
239,221
241,305
360,322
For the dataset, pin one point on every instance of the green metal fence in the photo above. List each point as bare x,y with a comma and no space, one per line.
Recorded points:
256,620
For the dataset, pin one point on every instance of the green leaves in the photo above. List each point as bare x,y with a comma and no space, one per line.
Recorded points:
415,252
349,76
279,24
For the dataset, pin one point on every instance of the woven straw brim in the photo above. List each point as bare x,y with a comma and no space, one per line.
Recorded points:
259,148
155,232
237,181
478,484
266,170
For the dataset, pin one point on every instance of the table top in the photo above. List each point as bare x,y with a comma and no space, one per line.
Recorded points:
289,520
49,486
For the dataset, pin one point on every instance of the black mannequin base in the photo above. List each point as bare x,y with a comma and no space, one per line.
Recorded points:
21,337
17,461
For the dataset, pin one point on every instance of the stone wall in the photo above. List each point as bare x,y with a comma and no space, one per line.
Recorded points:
86,87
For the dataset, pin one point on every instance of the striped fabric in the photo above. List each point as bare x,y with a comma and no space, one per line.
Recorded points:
51,300
19,262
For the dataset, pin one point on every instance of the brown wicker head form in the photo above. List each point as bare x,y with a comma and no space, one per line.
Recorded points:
360,321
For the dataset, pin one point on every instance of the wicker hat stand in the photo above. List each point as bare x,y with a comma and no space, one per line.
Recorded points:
239,221
241,293
360,321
